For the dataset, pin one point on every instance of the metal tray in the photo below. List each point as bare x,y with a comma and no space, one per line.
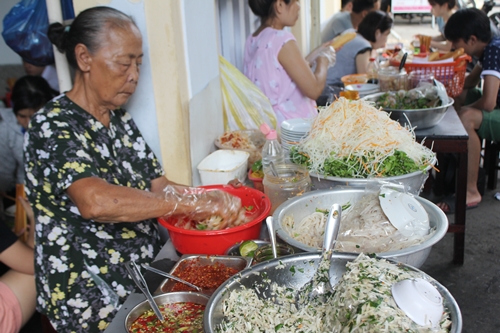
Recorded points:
237,262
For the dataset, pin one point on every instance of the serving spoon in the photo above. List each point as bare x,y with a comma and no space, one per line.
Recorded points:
320,282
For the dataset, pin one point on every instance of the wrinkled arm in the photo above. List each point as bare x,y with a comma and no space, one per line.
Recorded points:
98,200
103,202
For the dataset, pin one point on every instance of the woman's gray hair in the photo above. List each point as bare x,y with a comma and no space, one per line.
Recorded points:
88,28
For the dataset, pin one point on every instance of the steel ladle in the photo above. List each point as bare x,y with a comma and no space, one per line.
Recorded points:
272,235
320,282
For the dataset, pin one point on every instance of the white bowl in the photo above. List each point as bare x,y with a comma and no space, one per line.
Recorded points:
223,165
404,212
420,300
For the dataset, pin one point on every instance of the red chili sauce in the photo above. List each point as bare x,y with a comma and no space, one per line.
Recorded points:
186,317
206,277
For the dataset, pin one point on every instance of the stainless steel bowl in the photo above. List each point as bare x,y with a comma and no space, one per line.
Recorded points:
414,181
306,204
169,298
419,118
288,277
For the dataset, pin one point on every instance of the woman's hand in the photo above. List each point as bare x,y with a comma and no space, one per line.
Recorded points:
324,50
199,204
235,183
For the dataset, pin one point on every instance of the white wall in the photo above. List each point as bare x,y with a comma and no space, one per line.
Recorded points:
205,106
7,56
142,103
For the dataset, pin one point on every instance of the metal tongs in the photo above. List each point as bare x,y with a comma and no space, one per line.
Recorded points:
136,275
170,276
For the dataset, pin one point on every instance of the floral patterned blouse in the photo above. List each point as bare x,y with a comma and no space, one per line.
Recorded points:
79,264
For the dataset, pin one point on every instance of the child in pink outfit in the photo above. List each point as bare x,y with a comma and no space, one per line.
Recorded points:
274,62
262,67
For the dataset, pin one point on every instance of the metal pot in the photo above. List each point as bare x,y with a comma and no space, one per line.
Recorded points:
419,118
169,298
294,278
413,181
306,204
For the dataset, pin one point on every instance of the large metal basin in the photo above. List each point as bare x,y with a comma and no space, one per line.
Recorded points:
414,181
293,278
419,118
306,204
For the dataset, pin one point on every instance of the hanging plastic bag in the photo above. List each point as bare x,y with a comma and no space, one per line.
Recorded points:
244,105
25,32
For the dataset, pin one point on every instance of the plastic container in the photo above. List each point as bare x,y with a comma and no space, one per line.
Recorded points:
415,77
293,180
250,141
354,79
257,182
223,165
391,79
372,71
218,241
451,74
272,150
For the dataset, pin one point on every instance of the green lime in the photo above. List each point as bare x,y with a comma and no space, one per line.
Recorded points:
247,248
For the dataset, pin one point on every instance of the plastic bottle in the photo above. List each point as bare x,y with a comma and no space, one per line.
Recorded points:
272,150
372,71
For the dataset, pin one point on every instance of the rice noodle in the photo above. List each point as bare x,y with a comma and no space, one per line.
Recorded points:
363,228
357,130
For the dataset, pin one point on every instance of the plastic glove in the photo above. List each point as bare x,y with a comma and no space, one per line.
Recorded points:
199,204
329,53
325,50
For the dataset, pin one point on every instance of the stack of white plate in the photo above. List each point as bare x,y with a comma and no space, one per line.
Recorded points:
293,130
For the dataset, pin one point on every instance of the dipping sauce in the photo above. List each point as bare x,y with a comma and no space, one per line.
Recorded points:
207,277
184,317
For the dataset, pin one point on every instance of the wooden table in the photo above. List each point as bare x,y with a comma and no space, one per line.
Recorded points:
450,136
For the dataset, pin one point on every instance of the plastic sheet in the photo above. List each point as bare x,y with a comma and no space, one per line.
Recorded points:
218,209
244,105
326,51
25,32
365,227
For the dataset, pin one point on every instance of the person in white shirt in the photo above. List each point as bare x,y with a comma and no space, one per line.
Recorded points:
345,20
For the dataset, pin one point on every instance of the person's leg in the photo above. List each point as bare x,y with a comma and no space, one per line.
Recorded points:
471,119
23,286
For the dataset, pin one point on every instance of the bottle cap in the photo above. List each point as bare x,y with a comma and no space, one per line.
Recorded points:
372,59
268,132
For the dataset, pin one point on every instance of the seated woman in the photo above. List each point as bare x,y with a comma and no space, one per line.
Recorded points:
353,57
29,94
274,63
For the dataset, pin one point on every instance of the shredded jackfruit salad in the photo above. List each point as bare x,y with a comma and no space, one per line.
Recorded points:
360,302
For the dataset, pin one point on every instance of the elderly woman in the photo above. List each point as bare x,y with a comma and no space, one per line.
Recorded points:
94,184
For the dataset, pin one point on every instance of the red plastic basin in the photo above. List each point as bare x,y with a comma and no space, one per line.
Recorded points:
218,241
